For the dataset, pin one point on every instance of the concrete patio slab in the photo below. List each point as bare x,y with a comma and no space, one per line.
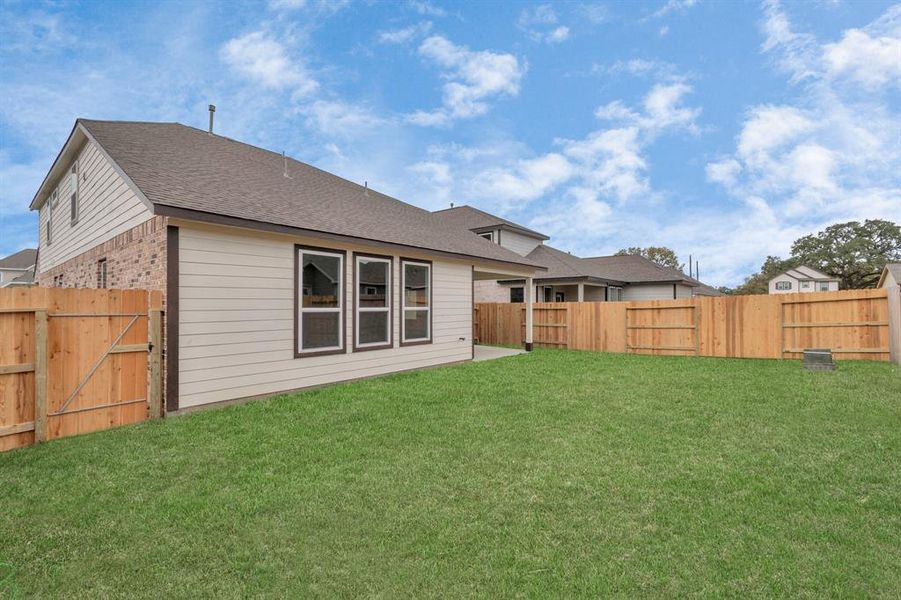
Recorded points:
492,352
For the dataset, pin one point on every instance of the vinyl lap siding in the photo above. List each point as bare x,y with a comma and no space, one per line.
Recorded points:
661,291
107,207
236,319
521,244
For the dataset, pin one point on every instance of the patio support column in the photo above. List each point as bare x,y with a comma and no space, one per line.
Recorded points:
581,292
530,298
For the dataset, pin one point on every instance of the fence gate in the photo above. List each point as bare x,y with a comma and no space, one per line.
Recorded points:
76,360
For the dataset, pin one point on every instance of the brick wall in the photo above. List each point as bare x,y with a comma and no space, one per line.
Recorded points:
134,259
492,291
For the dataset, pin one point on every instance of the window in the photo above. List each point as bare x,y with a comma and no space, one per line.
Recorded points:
548,294
824,286
320,304
559,297
805,285
73,199
416,321
49,229
488,235
101,274
614,294
783,285
372,322
517,294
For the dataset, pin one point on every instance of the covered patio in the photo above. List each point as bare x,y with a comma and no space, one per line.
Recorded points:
502,274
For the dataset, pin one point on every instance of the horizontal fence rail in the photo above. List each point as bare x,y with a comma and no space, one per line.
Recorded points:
855,324
77,360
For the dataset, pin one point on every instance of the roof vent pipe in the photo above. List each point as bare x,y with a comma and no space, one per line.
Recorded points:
212,110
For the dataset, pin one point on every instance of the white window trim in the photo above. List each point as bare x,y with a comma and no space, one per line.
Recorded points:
301,309
489,234
386,309
403,303
783,285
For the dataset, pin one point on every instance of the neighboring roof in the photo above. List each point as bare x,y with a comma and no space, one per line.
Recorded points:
22,259
26,278
188,173
894,269
562,265
806,273
474,219
633,268
703,289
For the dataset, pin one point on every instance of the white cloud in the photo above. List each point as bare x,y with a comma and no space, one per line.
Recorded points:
829,155
427,8
526,180
872,61
769,127
559,34
663,108
724,171
673,6
405,34
340,119
261,58
473,78
540,23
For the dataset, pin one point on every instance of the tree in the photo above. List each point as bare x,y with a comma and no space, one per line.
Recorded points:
661,255
855,253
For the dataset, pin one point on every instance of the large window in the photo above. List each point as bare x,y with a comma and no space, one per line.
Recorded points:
416,309
372,323
823,286
783,285
320,301
517,294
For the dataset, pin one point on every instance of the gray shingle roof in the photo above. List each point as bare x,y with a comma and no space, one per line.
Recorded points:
472,218
19,260
633,268
186,168
562,265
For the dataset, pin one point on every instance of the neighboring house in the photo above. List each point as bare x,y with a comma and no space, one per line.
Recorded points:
802,279
276,275
890,280
570,278
17,265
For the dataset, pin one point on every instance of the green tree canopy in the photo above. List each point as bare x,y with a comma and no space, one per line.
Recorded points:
661,255
854,252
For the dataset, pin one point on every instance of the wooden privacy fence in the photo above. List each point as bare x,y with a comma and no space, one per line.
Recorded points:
77,360
853,323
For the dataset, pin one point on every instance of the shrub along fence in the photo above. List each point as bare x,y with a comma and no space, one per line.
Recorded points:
853,323
77,360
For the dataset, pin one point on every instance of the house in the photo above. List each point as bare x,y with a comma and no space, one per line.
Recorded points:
890,280
802,279
569,278
276,275
17,266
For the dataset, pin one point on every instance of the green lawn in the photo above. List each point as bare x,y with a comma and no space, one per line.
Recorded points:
550,474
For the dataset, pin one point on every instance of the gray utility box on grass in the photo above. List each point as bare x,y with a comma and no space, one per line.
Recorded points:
818,359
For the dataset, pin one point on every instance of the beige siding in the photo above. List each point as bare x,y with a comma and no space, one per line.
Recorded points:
107,207
521,244
655,291
236,319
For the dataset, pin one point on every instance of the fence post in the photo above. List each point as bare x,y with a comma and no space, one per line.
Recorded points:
40,375
156,348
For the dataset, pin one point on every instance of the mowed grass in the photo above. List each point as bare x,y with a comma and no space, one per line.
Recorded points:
551,474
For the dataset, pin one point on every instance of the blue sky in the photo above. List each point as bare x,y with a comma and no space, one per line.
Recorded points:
724,130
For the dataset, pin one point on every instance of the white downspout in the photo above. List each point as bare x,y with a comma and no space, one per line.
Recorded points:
530,299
